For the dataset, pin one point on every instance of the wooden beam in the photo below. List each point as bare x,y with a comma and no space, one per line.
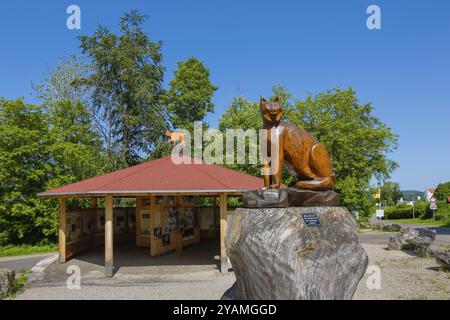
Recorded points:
109,266
223,231
94,220
179,238
62,230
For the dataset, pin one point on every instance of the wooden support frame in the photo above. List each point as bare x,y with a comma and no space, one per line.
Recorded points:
62,230
223,231
109,264
94,220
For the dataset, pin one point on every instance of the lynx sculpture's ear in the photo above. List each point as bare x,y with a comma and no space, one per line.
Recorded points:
276,102
263,104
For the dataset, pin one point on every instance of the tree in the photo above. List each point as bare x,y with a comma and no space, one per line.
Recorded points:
189,95
242,114
126,83
390,192
24,169
76,151
41,149
442,191
63,82
357,141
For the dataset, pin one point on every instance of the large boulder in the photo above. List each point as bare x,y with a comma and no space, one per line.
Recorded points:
443,257
418,240
294,253
394,227
7,277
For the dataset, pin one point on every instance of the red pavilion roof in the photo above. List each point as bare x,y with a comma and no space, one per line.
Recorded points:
162,176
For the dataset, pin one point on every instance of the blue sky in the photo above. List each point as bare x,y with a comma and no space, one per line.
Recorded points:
307,46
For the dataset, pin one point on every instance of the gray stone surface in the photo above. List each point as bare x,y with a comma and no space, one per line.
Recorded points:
276,255
418,240
443,257
7,276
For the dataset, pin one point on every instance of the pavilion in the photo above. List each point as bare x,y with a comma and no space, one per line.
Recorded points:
165,218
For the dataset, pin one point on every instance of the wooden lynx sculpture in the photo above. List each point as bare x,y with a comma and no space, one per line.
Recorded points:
303,155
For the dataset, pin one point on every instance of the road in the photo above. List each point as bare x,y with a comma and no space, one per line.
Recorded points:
19,263
442,238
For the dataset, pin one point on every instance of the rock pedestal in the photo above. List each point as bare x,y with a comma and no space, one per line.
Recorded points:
294,253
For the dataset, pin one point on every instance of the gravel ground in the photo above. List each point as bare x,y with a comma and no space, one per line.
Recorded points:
403,276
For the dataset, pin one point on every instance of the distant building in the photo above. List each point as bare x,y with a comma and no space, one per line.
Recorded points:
448,199
429,194
408,203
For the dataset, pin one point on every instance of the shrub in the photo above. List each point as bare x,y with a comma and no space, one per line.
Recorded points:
399,212
443,211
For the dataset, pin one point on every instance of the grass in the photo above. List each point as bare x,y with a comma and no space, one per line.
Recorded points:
22,250
428,222
17,285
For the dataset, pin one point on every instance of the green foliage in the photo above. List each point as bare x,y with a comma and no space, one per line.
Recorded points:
420,222
421,211
40,148
189,96
76,149
390,192
126,83
244,115
442,191
399,212
24,167
358,141
26,249
17,285
63,83
443,211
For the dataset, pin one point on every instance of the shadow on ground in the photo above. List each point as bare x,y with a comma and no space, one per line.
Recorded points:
130,259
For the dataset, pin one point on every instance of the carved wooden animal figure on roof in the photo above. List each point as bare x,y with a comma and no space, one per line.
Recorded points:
304,156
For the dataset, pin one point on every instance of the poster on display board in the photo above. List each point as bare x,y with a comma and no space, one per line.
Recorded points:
145,222
157,219
173,219
73,226
187,223
157,233
166,239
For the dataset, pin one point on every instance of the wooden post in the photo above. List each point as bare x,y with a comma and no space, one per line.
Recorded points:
179,238
94,220
109,267
223,230
62,230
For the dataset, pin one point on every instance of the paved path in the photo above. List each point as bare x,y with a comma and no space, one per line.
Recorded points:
19,263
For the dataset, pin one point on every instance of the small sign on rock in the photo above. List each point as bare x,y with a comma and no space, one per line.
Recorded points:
311,219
